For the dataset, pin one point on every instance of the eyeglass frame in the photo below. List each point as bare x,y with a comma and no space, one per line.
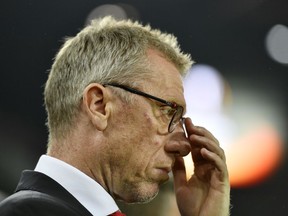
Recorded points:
178,108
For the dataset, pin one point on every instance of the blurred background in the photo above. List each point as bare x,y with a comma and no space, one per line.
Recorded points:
237,87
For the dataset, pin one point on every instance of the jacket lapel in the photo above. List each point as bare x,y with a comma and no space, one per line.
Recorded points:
36,181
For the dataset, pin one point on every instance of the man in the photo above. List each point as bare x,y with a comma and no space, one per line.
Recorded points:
115,106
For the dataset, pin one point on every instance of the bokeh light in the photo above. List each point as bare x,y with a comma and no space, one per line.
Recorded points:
254,156
277,43
118,11
247,129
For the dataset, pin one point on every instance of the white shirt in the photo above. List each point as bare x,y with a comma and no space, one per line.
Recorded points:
86,190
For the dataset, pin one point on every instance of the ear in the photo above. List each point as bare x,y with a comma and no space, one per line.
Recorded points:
95,98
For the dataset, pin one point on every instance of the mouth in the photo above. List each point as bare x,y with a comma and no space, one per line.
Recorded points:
166,169
163,173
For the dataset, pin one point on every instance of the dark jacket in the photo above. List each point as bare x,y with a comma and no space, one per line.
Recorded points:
38,194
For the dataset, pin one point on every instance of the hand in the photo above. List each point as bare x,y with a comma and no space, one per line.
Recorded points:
207,192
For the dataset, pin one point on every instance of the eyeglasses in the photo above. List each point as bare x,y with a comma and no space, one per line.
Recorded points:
176,110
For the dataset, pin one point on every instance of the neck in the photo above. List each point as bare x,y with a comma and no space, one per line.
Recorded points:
87,155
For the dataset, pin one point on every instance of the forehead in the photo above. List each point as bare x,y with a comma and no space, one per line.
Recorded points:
166,81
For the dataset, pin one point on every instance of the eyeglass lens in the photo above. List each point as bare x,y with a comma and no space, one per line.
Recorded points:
175,119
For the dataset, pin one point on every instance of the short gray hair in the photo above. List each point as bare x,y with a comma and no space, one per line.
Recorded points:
105,51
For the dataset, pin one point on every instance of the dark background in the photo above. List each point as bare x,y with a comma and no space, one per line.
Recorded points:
226,34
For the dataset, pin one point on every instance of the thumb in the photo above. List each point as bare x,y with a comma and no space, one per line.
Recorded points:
179,172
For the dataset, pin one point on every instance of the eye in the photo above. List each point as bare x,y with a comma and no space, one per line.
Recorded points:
167,110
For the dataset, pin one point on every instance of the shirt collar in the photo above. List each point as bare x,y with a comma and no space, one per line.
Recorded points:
86,190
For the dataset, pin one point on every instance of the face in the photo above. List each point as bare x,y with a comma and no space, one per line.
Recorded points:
142,152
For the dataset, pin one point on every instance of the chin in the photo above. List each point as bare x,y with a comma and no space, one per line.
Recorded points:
144,198
143,193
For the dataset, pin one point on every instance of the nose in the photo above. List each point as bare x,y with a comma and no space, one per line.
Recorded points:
178,144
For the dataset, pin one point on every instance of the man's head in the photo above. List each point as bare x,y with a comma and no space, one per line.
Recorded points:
120,139
105,51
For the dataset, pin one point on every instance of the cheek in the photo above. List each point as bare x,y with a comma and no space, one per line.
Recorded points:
149,122
144,143
135,137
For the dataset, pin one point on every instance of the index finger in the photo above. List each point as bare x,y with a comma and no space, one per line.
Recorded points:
201,131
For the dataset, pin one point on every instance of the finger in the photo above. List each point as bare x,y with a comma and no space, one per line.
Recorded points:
197,130
201,131
188,125
179,172
200,137
216,160
200,142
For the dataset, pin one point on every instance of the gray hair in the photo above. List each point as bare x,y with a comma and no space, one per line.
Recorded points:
103,52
